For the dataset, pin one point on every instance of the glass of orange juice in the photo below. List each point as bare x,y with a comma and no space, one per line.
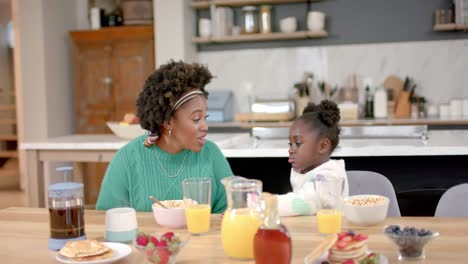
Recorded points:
330,196
197,197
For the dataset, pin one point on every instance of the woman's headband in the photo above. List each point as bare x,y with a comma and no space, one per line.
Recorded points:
184,98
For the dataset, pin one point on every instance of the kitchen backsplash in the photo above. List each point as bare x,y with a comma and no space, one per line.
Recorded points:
440,68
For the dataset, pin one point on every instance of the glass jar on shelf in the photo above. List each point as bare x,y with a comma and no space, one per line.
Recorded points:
250,19
265,19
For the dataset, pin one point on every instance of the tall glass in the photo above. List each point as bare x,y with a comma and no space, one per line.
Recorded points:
330,197
197,196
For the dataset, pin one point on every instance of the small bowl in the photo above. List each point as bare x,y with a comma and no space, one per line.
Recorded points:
171,217
410,244
126,131
365,210
163,254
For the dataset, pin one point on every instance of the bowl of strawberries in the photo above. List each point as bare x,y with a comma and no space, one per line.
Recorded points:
161,248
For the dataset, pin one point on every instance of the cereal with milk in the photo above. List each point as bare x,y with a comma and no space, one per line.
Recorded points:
175,203
366,201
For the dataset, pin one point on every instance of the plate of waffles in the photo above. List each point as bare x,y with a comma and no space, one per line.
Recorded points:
92,252
344,248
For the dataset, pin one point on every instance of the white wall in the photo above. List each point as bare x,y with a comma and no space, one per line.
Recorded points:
43,69
174,29
440,68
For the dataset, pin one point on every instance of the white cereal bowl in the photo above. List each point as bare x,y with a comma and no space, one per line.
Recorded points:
365,215
171,217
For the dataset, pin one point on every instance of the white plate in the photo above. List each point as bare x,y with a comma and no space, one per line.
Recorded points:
119,251
324,257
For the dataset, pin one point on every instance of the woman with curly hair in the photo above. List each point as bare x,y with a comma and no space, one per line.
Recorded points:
312,139
172,108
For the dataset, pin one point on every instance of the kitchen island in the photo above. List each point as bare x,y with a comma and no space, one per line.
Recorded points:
417,167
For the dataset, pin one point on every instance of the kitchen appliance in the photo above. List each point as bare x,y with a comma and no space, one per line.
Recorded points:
220,106
268,110
66,211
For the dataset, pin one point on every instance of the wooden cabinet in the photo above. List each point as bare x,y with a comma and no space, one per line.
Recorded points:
111,66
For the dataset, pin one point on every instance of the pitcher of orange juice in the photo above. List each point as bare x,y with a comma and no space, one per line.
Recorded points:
330,196
242,216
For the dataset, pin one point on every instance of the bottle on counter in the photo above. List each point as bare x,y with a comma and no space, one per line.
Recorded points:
369,105
272,243
380,103
414,107
422,108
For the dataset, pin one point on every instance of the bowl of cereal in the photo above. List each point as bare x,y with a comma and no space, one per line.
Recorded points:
173,216
365,210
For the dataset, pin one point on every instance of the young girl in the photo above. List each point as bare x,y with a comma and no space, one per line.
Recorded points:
312,139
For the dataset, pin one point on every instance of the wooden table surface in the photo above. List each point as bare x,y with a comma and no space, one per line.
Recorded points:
24,233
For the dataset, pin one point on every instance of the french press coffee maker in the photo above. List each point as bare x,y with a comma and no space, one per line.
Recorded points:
66,211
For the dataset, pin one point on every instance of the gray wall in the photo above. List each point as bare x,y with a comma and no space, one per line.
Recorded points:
355,22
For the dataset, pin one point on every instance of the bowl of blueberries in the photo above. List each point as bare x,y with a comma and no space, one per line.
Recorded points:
410,241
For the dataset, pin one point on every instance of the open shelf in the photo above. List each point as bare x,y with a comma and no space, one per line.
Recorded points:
238,3
450,27
263,37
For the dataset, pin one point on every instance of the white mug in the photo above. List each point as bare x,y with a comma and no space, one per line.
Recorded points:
204,27
315,20
444,110
288,25
465,107
121,224
456,107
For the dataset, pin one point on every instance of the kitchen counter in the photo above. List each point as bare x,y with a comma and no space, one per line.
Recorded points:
431,121
446,142
237,147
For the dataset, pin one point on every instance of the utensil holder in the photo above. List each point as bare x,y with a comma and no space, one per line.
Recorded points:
403,106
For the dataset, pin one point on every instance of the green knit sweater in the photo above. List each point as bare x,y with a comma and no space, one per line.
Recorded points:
136,172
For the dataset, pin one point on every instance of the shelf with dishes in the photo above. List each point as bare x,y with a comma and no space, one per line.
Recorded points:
262,37
451,27
239,3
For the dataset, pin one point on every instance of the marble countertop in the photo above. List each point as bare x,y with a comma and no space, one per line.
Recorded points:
444,143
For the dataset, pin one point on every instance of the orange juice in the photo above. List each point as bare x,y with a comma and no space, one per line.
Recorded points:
238,231
198,218
329,221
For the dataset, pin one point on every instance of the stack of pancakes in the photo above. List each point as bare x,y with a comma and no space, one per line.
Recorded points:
355,250
85,250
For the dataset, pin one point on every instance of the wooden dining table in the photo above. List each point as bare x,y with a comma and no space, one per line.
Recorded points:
24,234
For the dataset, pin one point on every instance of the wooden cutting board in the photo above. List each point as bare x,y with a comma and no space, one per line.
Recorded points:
395,84
250,117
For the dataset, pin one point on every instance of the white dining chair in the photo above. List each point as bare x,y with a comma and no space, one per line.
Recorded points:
454,202
369,182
